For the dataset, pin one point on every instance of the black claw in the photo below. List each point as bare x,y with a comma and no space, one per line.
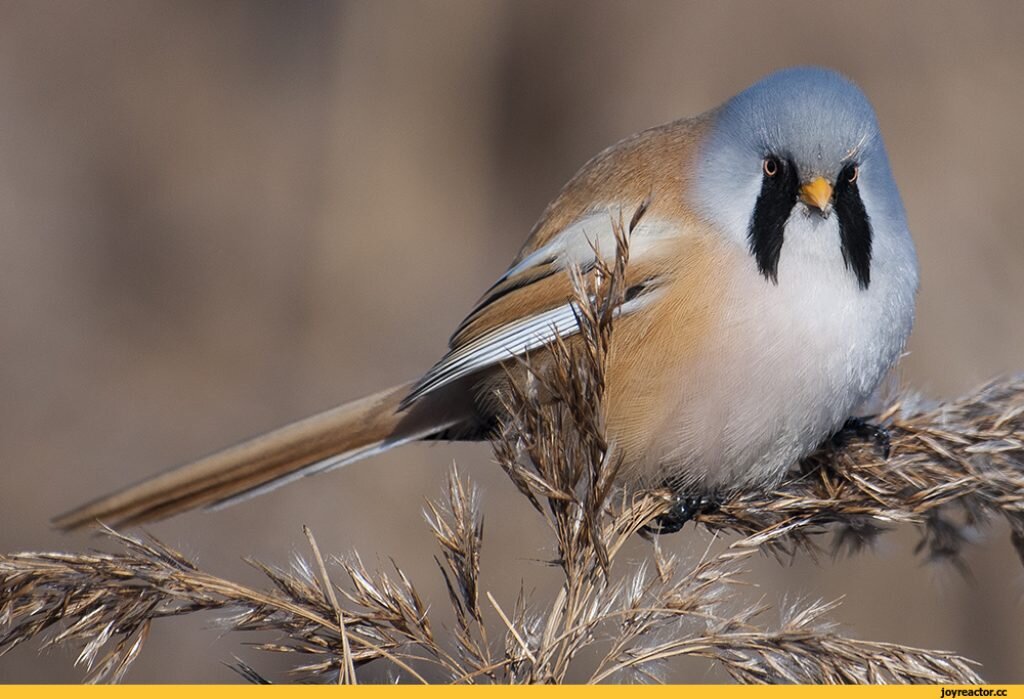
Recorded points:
868,431
684,508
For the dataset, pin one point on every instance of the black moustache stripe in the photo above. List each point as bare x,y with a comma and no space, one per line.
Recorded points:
775,204
854,226
768,224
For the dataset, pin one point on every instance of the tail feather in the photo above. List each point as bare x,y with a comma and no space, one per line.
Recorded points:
328,440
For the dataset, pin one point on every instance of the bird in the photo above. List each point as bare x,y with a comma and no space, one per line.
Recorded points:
771,283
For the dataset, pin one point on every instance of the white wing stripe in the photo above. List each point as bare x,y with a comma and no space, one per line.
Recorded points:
509,341
575,245
501,344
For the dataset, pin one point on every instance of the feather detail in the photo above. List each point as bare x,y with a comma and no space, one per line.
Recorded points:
517,339
328,440
523,311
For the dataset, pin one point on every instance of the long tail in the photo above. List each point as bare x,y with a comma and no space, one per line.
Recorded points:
328,440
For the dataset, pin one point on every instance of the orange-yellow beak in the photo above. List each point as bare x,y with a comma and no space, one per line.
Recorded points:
817,193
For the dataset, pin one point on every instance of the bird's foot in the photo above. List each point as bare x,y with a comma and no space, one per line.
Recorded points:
867,431
683,509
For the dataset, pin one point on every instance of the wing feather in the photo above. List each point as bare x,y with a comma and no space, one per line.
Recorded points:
513,322
641,181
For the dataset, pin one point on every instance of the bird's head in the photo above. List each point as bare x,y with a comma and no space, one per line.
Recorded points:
799,154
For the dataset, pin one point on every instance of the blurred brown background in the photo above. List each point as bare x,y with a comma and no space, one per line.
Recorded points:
217,217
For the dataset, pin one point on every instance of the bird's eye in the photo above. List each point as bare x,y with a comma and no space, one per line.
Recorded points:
770,166
852,173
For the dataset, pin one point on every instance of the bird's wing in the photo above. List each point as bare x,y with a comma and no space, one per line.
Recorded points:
637,185
531,304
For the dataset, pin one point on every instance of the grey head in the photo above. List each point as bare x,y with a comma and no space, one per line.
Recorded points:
800,153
